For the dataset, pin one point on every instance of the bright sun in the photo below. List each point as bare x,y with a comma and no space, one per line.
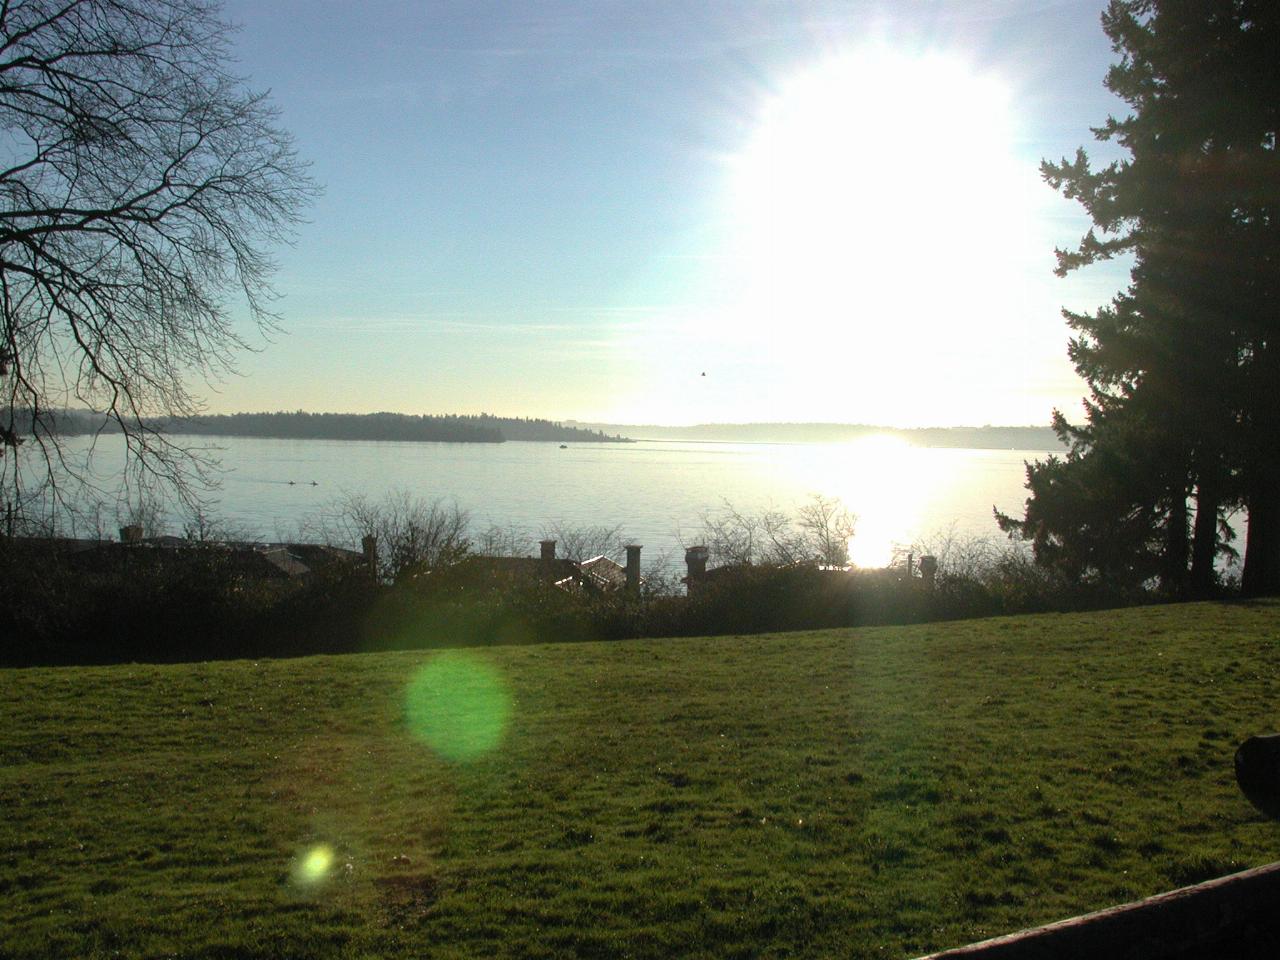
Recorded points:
874,207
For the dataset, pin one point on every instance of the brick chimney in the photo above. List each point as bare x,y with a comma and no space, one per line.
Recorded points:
131,533
928,569
633,568
548,549
695,559
370,546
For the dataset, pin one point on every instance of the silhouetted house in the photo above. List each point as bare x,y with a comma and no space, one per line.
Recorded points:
256,561
522,571
604,573
607,574
698,577
318,557
599,574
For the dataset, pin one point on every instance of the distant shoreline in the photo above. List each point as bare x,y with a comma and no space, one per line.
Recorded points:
970,438
301,425
487,428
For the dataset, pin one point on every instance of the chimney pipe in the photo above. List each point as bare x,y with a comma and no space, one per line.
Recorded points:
633,568
928,568
695,559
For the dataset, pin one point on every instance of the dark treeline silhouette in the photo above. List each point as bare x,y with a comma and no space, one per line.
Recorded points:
300,425
206,602
402,572
1183,367
340,426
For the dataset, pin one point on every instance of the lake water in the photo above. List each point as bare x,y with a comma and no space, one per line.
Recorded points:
657,490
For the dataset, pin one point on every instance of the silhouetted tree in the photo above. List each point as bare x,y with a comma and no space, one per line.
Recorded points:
413,534
818,533
141,188
1183,366
1112,511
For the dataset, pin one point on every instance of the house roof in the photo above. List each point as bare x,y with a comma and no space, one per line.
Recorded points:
604,572
531,568
272,560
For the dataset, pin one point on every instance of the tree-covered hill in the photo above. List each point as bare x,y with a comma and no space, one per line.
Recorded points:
452,428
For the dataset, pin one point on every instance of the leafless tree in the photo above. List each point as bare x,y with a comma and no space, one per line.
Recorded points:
826,529
141,511
731,536
663,576
500,541
818,533
202,525
969,556
412,533
142,186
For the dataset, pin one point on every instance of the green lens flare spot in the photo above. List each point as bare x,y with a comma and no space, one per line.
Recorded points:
458,705
314,865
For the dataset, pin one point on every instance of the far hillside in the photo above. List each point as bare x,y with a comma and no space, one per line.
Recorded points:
970,438
301,425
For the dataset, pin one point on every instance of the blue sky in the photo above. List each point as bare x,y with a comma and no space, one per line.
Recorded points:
558,209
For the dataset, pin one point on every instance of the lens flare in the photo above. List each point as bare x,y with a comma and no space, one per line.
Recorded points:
313,866
458,704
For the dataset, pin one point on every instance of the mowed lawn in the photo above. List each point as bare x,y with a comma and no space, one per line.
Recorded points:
865,793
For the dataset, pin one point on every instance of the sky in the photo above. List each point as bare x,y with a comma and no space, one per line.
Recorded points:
673,212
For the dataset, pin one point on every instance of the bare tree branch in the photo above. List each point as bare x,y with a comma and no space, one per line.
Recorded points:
142,185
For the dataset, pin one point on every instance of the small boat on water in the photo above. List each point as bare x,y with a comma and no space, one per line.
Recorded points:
564,446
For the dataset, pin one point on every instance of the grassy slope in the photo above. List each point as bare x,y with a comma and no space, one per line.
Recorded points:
874,792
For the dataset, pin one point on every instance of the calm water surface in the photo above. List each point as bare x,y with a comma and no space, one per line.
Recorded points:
657,490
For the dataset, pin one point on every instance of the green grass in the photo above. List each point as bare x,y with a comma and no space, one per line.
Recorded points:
877,792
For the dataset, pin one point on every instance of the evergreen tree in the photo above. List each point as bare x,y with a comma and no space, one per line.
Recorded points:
1183,367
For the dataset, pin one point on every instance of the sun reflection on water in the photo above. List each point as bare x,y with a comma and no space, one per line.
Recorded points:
879,478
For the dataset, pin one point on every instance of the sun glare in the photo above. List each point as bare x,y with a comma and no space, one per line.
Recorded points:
882,479
314,865
878,206
458,704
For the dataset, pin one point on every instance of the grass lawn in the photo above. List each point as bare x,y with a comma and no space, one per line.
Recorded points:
869,793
